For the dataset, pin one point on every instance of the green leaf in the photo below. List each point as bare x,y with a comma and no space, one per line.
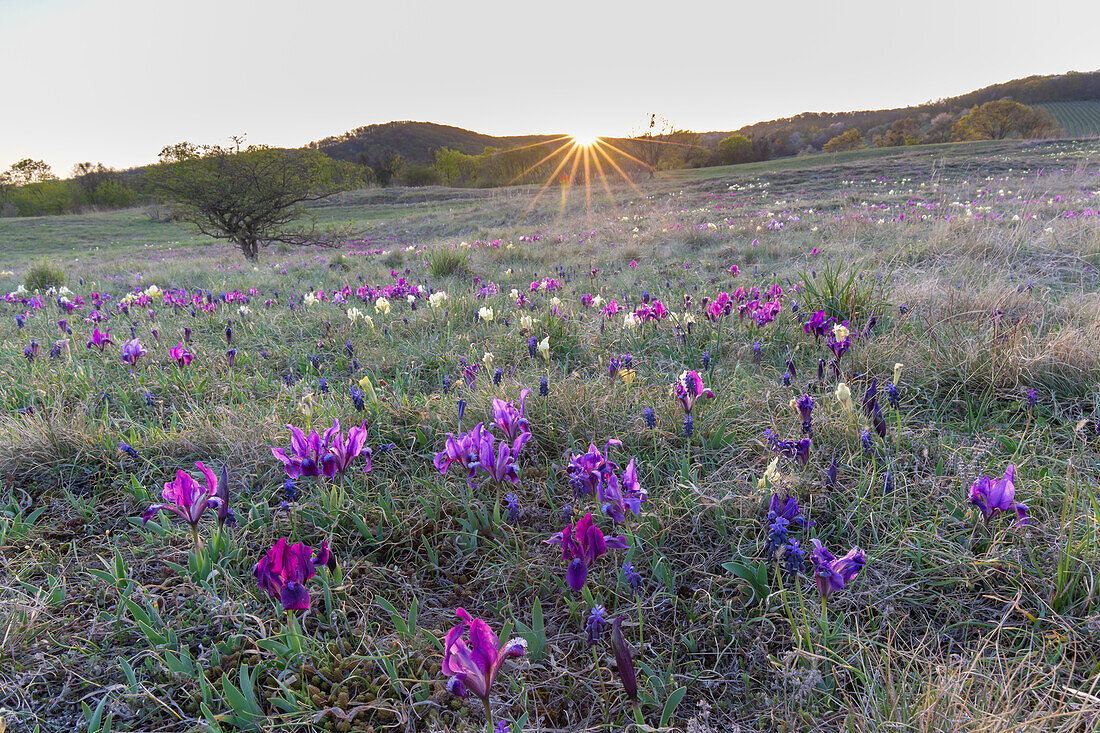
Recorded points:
671,704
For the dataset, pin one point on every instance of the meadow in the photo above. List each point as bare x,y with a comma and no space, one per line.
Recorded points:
802,446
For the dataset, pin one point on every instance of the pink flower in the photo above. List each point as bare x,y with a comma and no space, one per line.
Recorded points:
181,355
473,665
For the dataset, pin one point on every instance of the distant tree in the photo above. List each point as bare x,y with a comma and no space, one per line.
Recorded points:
179,152
735,149
385,165
455,167
1002,119
940,129
905,131
252,197
851,140
651,144
91,176
28,171
418,175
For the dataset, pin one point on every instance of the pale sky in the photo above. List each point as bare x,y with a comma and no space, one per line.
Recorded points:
116,80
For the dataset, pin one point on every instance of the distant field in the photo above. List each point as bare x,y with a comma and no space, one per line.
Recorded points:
1078,119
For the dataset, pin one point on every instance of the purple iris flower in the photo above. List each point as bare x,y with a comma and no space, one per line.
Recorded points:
305,453
285,569
831,573
500,463
992,497
469,373
132,352
231,357
473,665
624,664
818,325
589,470
799,450
181,355
580,546
186,497
787,508
465,450
688,388
100,340
806,409
345,450
510,420
31,350
839,348
872,410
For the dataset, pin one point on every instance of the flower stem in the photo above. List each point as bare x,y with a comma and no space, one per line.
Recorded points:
488,715
638,718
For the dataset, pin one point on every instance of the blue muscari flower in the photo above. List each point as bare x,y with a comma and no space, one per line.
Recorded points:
533,346
446,383
756,351
888,483
1032,397
594,626
706,360
793,557
777,535
290,490
497,376
350,349
868,442
129,450
631,577
149,399
20,320
689,425
513,507
892,395
786,379
354,365
461,409
357,398
544,388
322,385
650,418
567,514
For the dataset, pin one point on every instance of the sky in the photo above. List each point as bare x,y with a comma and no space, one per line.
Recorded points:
114,81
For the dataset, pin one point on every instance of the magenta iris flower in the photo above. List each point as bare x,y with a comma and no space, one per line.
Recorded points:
285,569
132,352
617,496
465,450
305,453
872,410
188,498
992,498
580,546
100,340
832,574
688,388
589,470
500,462
181,355
342,451
473,663
510,420
787,508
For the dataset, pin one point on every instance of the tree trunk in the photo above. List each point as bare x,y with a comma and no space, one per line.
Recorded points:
251,249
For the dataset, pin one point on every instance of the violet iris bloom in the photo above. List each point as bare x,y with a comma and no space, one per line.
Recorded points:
473,665
806,409
342,451
187,498
500,463
284,570
589,470
818,325
992,498
832,573
510,420
181,355
100,340
305,453
617,496
580,546
624,663
788,509
465,450
688,388
132,352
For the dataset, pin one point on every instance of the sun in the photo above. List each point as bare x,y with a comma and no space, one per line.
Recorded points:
584,139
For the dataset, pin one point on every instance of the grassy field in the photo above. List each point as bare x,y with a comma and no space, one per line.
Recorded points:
967,277
1078,119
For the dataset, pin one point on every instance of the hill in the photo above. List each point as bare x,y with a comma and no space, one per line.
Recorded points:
808,131
1077,119
416,142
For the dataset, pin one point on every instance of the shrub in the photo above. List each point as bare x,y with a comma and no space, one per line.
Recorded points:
443,262
850,140
419,175
43,277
